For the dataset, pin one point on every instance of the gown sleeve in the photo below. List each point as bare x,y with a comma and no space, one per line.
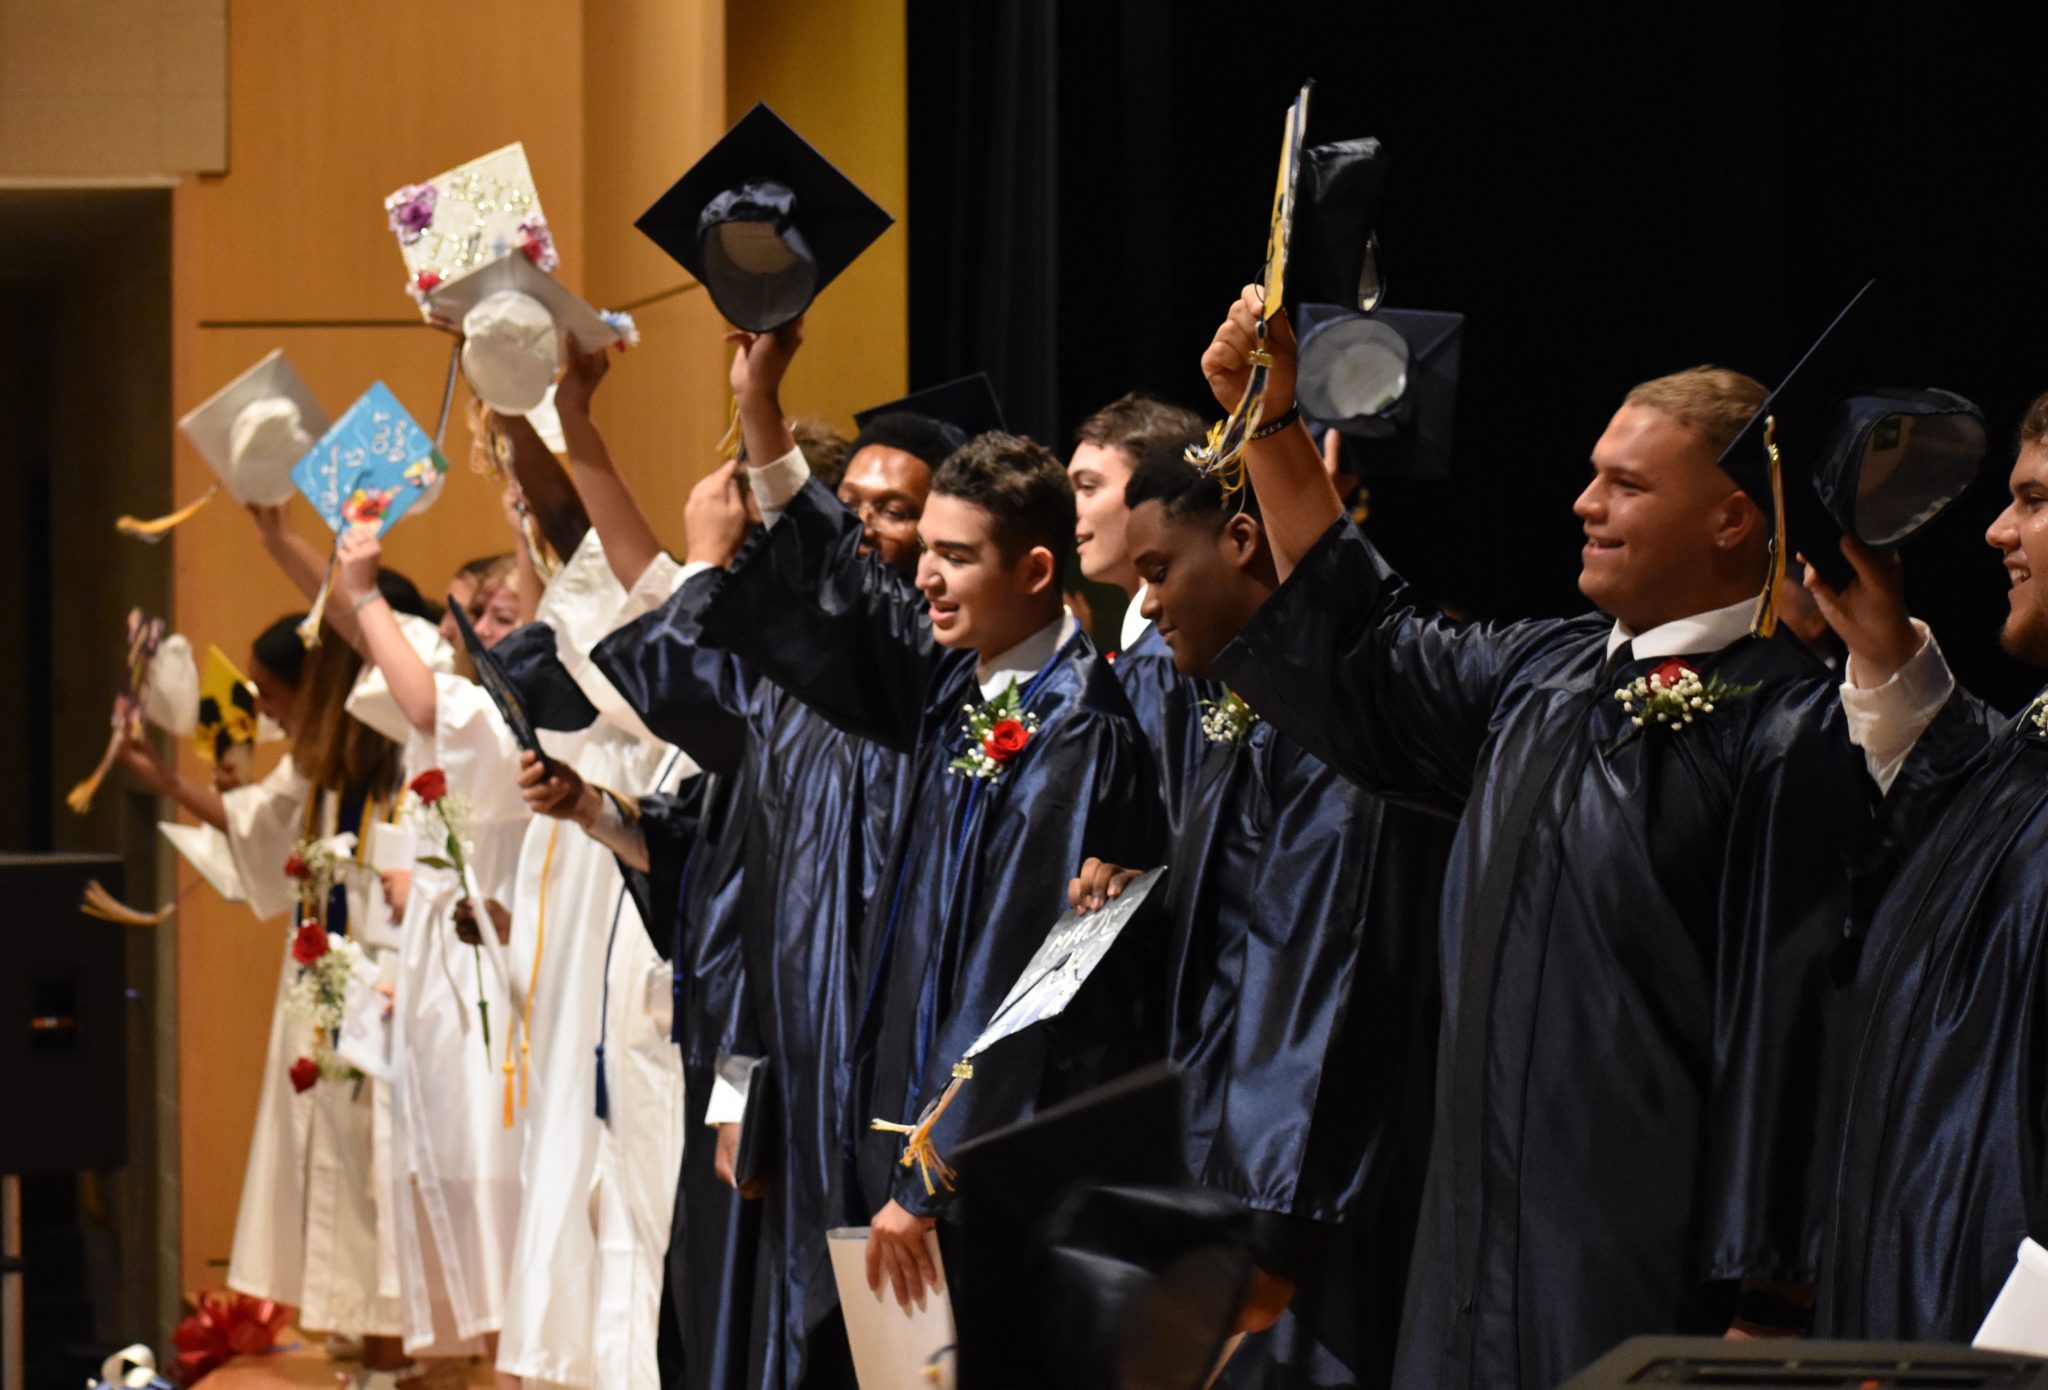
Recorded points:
475,748
1397,697
840,631
265,821
688,692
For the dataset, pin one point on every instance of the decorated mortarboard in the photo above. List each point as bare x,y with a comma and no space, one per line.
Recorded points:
1085,1256
461,221
251,431
514,317
1077,943
1222,454
226,728
1829,455
764,222
966,406
371,466
1387,381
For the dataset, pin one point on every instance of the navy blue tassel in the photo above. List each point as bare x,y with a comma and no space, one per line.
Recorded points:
604,1099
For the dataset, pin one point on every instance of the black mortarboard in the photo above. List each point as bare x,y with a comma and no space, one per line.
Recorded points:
1877,463
1084,1258
531,659
506,692
1388,382
965,404
764,222
1333,257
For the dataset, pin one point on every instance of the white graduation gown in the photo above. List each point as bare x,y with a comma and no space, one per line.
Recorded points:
307,1231
454,1191
583,1305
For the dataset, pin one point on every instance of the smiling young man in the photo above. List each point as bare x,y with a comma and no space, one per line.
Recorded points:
1060,772
1311,1106
1169,704
1637,917
821,812
1942,1169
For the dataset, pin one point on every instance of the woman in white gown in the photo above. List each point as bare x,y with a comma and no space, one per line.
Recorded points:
309,1231
455,1176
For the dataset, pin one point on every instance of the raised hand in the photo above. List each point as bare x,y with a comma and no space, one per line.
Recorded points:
1870,615
1227,363
580,378
358,554
715,519
761,360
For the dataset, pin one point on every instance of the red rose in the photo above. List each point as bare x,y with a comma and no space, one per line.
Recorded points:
430,786
305,1072
1671,672
295,867
426,282
309,944
1005,741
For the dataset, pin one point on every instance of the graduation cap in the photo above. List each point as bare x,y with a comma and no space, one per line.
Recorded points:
530,658
251,431
1222,454
514,316
1388,382
1828,455
533,670
1084,1256
1333,256
764,222
371,466
457,222
965,407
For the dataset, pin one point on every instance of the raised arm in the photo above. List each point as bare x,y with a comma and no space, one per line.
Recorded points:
550,495
686,691
1297,500
378,638
629,541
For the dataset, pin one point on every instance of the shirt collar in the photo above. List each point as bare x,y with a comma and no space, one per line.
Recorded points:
1135,621
1025,660
1702,632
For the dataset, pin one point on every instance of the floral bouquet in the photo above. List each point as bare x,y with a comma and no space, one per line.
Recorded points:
326,961
226,1325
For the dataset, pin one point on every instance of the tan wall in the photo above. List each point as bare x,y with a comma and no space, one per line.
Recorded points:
333,105
834,69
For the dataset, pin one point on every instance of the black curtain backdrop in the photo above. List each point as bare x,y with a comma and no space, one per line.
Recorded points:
1608,193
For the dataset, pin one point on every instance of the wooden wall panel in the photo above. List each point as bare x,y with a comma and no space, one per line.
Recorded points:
834,69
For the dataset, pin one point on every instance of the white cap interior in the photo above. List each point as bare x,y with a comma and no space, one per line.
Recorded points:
510,351
268,436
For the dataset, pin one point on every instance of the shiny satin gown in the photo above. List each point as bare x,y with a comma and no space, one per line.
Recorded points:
1943,1167
821,815
978,870
1169,709
1637,926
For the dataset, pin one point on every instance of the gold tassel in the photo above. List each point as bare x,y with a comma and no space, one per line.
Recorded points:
918,1147
98,902
508,1082
309,627
79,798
154,529
729,442
1765,620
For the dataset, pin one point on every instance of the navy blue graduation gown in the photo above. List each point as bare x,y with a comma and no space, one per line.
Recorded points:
1637,926
696,863
1943,1168
1169,709
1303,958
977,871
821,819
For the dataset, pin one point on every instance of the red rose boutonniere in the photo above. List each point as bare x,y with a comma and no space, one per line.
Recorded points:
997,732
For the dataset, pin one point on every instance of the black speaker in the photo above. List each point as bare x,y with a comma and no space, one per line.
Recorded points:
63,1018
1784,1365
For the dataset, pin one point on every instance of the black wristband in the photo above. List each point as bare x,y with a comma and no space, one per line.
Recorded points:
1278,423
